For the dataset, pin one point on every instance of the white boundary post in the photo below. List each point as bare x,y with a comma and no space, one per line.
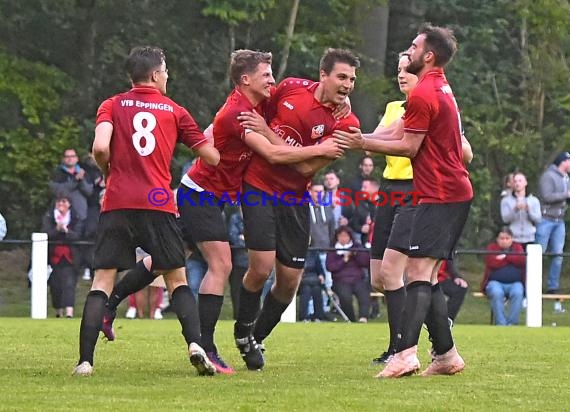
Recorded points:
39,275
290,314
534,286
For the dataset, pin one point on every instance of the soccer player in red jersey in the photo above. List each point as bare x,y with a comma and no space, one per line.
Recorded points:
135,137
205,190
432,138
275,216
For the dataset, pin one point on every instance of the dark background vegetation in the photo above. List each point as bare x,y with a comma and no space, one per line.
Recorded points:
60,58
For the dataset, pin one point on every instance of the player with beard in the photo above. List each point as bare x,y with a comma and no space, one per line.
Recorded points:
430,135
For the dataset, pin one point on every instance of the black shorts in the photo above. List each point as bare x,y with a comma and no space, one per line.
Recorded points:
393,220
279,227
120,232
436,229
202,215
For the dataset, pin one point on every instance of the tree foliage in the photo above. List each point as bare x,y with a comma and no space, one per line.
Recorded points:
60,58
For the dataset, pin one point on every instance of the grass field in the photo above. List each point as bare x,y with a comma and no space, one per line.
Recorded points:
316,367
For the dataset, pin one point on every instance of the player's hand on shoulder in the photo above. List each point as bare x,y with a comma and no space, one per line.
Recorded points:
253,121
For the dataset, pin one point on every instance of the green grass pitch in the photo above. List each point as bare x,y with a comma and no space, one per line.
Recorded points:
310,367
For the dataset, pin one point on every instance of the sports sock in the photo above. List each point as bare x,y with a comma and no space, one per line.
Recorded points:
418,301
437,323
134,280
91,324
248,310
209,308
395,302
269,317
187,312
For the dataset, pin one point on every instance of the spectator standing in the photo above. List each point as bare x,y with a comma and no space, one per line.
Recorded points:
322,228
508,183
504,278
453,286
521,211
363,212
311,288
554,191
62,224
348,266
71,178
94,175
366,167
332,183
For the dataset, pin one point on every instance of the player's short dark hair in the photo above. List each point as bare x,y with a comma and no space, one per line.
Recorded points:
246,61
441,41
142,61
332,56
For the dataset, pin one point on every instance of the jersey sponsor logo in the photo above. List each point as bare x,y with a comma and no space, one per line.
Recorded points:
292,142
318,131
245,156
288,105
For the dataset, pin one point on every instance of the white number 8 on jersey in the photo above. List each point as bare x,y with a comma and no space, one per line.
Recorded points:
144,131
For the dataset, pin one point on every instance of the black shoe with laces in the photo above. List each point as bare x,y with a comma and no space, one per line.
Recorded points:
250,351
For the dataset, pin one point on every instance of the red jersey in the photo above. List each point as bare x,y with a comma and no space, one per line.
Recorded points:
300,120
439,172
146,127
226,177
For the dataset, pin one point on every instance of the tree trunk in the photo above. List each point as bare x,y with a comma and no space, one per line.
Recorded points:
288,40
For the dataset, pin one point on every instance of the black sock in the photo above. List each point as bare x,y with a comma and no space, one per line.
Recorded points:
248,310
418,301
209,308
187,312
91,324
395,302
269,317
437,323
134,280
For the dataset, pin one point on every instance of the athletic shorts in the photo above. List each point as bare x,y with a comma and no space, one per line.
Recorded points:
202,215
279,227
120,232
393,220
436,229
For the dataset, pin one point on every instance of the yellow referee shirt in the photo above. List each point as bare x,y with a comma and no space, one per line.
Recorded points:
397,168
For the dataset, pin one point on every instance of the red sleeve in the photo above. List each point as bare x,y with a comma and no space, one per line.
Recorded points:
105,112
517,260
491,260
227,124
417,116
189,133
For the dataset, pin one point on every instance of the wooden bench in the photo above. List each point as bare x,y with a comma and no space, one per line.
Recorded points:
544,296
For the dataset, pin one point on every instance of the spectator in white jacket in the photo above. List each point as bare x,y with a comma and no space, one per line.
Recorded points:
521,211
